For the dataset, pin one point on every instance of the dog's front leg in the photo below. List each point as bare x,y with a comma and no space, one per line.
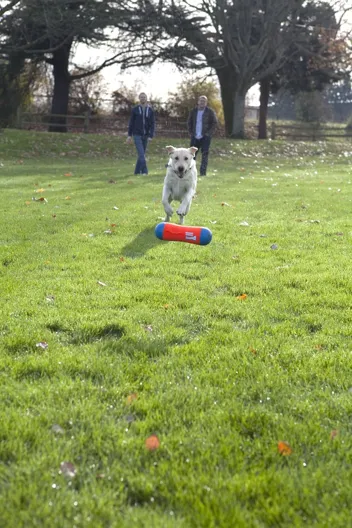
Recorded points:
185,206
166,199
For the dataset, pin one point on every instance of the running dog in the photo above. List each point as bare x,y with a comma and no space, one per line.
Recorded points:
180,181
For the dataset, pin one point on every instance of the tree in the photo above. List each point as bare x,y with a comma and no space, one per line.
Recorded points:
243,41
43,30
318,55
16,82
87,94
339,98
181,102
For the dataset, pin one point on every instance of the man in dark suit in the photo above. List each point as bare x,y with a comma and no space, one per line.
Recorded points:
202,123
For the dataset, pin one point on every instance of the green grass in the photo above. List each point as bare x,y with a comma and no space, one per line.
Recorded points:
219,380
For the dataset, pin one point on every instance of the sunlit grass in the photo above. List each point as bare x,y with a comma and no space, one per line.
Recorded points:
220,377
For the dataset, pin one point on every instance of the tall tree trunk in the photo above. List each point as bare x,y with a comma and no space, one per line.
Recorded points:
263,108
227,81
61,74
239,99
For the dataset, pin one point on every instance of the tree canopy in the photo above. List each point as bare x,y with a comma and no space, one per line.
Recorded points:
43,30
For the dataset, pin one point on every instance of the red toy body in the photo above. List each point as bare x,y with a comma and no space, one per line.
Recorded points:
181,233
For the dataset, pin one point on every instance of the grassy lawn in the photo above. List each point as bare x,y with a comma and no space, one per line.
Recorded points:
109,335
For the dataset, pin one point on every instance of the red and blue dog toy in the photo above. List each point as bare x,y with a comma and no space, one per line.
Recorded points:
180,233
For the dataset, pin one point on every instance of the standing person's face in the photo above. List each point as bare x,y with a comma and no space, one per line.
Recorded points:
202,102
143,98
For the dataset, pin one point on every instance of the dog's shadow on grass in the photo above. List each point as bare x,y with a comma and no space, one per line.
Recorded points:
142,243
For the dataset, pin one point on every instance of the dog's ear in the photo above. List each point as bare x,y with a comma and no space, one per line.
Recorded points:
170,149
193,150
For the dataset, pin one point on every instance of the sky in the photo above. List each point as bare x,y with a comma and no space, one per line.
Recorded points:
157,81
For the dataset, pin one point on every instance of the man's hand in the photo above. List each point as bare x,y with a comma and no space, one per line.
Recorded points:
129,139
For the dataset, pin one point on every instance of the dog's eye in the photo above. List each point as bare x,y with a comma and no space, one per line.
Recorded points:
186,159
176,158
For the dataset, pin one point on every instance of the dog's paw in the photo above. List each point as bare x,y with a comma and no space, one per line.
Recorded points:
181,211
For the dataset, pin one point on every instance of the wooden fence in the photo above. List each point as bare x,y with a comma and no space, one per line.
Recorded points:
175,127
308,131
87,123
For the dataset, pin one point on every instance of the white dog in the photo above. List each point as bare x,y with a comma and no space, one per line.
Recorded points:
180,181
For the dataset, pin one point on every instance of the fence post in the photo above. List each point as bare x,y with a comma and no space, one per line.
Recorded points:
19,118
86,121
273,130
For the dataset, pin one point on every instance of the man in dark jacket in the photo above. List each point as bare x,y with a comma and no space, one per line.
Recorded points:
202,122
141,127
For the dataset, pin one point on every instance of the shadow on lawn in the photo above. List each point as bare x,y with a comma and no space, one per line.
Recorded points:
142,243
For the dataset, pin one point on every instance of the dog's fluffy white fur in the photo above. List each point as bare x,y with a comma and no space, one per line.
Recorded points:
180,181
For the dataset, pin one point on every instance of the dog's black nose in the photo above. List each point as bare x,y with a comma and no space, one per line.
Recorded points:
181,169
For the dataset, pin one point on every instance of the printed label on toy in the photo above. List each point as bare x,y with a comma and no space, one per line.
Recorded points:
190,236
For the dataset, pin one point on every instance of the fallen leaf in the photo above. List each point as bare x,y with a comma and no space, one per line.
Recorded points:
242,297
131,398
50,298
253,350
116,208
334,433
112,181
39,190
57,429
148,328
42,344
68,469
284,448
130,418
225,203
274,246
244,223
108,232
27,202
101,283
152,443
113,225
68,174
67,197
122,259
41,199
